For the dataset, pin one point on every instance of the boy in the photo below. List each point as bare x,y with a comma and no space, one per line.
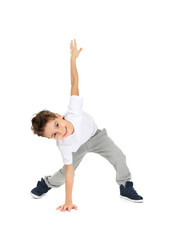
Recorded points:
76,133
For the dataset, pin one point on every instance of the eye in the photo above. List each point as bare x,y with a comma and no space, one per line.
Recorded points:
57,125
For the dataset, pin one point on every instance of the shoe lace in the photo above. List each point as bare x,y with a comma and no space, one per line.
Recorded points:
41,186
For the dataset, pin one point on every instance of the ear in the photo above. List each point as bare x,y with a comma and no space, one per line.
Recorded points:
58,115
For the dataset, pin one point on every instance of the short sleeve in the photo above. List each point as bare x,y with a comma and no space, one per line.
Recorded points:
67,158
75,104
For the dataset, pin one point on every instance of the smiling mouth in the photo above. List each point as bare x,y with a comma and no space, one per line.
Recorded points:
66,132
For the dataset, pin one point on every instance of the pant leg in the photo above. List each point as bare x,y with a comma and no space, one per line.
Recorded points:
58,178
103,145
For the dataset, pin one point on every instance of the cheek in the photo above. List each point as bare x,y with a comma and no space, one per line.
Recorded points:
65,124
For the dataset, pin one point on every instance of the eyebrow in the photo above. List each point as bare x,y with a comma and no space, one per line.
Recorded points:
54,126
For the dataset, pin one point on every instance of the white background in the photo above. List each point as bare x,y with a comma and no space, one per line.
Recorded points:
125,78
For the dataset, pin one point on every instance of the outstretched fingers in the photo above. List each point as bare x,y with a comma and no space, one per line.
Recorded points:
75,44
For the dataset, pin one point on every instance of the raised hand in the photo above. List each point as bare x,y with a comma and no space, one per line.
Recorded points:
74,52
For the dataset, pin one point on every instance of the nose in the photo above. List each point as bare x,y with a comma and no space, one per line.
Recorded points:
62,131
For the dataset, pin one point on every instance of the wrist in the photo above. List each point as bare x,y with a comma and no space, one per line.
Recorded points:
73,58
68,201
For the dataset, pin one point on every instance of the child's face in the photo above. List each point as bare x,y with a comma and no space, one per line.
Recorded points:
58,128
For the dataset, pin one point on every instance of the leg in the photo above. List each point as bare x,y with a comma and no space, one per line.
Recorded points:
103,145
58,178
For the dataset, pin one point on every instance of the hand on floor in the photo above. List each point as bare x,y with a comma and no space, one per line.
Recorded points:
67,207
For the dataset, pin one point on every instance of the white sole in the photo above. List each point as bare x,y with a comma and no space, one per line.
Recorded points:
131,200
35,196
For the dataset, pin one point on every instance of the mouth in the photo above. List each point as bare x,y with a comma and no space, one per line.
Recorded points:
65,132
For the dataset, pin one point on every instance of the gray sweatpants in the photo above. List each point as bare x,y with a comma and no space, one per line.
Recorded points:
102,144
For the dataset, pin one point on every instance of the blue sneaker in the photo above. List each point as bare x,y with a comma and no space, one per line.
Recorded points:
40,190
129,193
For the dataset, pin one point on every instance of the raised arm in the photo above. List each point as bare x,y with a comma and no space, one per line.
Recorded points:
74,78
74,74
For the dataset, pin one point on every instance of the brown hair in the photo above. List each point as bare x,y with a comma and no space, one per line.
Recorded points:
40,120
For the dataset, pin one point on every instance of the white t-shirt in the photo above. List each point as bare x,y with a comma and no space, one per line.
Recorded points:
84,128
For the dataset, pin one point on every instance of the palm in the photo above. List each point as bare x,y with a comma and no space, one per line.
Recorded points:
74,52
